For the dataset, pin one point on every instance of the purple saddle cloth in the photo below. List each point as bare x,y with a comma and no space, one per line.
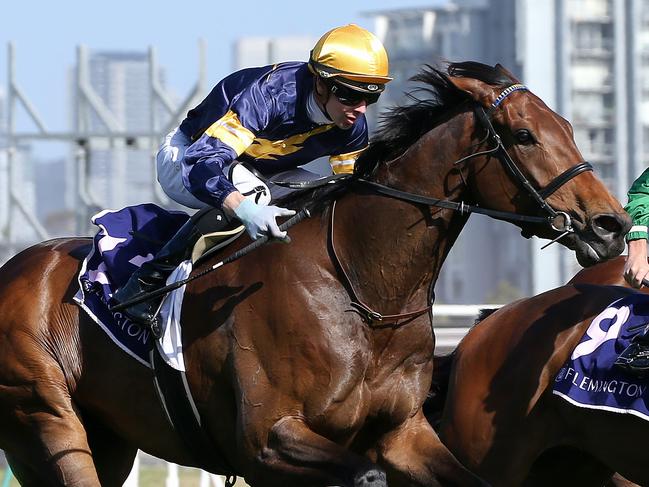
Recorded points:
588,378
126,239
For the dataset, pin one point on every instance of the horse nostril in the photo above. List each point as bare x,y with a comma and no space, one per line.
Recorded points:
611,225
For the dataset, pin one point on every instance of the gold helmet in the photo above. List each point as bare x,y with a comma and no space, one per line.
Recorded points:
351,56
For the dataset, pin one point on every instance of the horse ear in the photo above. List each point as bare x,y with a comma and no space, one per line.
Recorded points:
478,90
507,72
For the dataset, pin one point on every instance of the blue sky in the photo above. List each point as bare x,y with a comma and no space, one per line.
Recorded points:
45,36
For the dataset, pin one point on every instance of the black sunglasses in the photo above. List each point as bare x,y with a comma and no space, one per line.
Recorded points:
350,97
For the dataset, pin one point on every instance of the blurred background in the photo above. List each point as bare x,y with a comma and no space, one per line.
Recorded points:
86,96
87,92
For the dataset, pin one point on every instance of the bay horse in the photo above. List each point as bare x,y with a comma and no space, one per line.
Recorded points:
500,418
293,388
609,273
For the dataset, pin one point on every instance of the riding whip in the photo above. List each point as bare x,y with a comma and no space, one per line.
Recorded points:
304,213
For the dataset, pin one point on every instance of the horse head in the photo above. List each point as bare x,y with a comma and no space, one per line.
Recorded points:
530,165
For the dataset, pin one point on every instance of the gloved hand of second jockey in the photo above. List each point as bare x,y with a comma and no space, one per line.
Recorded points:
261,220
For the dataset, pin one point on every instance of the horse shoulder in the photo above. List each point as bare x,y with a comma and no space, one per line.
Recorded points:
609,273
37,312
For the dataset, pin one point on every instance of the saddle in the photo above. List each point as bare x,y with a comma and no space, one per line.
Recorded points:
278,190
218,232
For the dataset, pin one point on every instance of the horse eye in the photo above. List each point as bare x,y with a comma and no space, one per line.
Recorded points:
524,136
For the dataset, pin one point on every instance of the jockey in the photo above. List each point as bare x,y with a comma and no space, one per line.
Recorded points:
273,118
636,356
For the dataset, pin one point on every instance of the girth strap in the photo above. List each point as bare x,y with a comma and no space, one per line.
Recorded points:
176,400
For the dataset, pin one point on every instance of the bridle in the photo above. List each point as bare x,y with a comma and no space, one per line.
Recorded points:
540,196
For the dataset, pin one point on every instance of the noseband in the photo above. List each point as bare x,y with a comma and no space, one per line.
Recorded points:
484,117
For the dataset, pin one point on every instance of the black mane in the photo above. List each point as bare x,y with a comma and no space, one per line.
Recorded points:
401,126
483,314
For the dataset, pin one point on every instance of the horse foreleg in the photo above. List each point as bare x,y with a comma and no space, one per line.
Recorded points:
295,455
113,456
39,426
52,450
565,466
414,455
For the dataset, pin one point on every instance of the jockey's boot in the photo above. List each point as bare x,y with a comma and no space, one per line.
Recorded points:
635,358
153,275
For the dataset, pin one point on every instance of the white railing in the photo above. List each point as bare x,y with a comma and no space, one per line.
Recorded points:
453,321
173,477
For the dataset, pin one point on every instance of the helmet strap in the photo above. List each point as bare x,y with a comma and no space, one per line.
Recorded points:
318,96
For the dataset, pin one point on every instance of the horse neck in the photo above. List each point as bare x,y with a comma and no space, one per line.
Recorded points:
394,250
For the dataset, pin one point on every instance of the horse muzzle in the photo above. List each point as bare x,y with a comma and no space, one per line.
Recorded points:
602,238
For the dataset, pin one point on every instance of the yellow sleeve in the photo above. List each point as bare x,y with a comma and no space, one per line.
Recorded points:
229,130
344,163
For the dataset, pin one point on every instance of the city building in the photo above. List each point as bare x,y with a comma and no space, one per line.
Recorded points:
4,206
15,184
120,173
260,51
52,185
4,194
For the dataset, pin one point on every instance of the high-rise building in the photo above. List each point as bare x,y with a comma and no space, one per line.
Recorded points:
260,51
52,209
120,175
17,182
3,115
587,59
591,87
3,164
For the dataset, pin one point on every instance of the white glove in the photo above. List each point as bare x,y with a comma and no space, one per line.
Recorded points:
260,220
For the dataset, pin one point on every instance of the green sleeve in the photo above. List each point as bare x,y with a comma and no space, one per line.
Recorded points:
638,207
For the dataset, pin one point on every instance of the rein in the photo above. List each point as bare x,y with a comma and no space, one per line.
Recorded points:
461,207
